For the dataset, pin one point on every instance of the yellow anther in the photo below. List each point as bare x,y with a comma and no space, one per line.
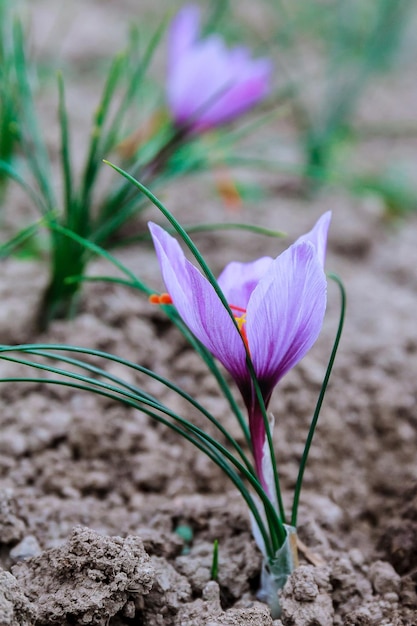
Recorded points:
240,321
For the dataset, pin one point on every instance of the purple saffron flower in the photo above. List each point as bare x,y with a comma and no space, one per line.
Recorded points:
279,306
208,84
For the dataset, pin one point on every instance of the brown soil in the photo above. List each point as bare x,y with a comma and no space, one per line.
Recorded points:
93,495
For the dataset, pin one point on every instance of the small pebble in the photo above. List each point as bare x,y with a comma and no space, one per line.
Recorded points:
391,597
384,578
357,557
25,549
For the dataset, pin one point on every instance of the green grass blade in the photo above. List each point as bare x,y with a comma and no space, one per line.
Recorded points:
134,81
211,227
93,160
215,561
220,455
34,145
95,249
20,238
7,169
65,149
45,350
303,462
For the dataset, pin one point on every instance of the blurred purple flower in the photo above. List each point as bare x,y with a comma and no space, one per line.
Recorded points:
278,304
208,84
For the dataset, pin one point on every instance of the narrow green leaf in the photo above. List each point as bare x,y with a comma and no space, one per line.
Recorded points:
218,453
65,149
303,462
215,561
20,238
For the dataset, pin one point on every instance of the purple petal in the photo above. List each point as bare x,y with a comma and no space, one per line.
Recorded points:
238,280
183,33
285,313
240,95
318,235
191,89
208,84
198,304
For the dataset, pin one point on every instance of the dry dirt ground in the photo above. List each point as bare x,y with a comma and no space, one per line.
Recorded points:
92,494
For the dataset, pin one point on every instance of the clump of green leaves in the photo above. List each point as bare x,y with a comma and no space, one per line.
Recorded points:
81,209
361,40
327,54
158,150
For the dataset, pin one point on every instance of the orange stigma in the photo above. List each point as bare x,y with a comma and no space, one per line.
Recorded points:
163,298
241,321
228,191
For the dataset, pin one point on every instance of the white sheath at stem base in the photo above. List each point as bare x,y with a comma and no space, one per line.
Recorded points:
275,572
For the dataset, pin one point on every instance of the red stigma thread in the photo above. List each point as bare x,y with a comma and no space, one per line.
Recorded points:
237,308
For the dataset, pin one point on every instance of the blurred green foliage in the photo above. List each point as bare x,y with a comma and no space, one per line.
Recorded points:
9,131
